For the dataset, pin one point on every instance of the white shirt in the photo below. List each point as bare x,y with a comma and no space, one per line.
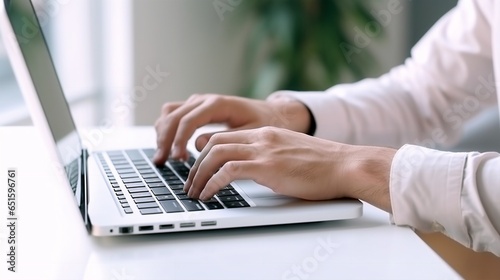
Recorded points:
449,78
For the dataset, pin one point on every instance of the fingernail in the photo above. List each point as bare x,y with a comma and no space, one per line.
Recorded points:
203,196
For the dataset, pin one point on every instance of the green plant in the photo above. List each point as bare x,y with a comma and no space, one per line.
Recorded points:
296,44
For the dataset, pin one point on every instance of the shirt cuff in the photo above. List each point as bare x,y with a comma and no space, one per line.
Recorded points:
425,190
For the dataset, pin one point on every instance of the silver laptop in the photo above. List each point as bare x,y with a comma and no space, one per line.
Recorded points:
122,192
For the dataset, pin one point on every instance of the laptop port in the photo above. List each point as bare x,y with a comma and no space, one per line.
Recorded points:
145,228
167,226
126,230
208,223
185,225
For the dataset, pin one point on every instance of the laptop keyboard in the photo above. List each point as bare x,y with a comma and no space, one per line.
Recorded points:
157,190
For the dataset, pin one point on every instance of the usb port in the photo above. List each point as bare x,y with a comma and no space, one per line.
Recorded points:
185,225
167,226
208,223
145,228
126,229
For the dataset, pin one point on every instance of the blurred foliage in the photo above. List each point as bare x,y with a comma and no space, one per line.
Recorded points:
295,44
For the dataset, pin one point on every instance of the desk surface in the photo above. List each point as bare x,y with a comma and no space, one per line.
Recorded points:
53,244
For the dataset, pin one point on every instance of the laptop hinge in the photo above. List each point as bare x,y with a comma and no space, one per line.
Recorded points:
84,189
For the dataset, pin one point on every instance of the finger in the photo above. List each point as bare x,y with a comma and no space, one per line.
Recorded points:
218,156
196,118
165,130
203,139
235,137
231,171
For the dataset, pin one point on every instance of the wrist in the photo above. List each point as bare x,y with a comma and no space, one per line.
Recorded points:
291,114
370,175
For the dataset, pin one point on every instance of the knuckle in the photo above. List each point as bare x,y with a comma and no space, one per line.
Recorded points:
214,99
267,133
231,168
215,139
167,108
217,149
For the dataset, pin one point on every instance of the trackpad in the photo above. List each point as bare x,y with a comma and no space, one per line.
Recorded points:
254,190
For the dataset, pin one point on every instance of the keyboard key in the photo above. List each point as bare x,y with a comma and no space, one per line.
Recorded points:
119,192
180,191
174,182
236,204
125,171
149,211
227,192
128,210
137,190
176,187
170,177
160,191
165,197
183,196
230,198
142,167
146,172
140,195
213,205
144,199
171,206
228,187
128,176
125,205
121,197
135,185
147,205
156,185
192,205
149,176
153,180
132,180
168,173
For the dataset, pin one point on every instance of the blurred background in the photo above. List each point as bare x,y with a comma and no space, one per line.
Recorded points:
119,61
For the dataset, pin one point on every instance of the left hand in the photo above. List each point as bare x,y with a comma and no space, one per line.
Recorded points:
289,163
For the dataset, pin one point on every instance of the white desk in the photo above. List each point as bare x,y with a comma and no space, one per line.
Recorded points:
53,244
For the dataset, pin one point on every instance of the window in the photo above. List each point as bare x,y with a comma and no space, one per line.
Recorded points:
91,52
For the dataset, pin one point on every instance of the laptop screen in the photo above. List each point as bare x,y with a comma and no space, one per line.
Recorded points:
45,80
34,49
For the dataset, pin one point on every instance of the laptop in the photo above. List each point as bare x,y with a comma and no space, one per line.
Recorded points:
121,192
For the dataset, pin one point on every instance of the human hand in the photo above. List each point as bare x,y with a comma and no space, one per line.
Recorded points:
292,164
179,120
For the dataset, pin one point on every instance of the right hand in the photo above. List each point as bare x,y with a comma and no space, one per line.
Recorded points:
179,120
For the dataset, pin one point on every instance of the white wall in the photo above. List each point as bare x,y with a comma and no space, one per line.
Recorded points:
201,52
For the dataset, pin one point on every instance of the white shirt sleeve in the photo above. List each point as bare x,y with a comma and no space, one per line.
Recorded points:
426,101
